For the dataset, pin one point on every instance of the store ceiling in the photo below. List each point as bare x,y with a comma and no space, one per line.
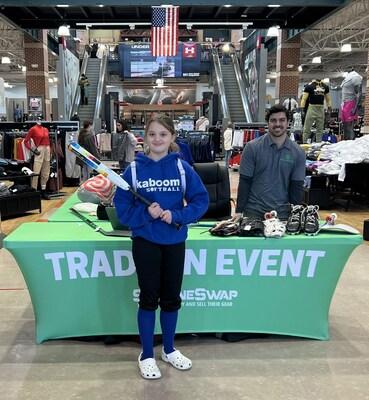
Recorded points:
291,14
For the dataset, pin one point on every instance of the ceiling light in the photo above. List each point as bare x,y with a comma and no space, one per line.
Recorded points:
5,60
100,5
274,5
24,68
226,48
273,31
62,5
299,68
267,80
317,60
51,80
227,5
63,30
346,48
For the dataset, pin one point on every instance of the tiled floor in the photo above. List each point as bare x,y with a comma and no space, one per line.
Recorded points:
273,367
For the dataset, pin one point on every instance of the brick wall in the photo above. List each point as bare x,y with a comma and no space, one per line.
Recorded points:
288,54
37,74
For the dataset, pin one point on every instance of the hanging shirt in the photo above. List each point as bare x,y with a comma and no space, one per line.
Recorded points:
290,104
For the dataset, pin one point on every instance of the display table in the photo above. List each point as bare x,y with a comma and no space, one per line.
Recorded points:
83,283
63,214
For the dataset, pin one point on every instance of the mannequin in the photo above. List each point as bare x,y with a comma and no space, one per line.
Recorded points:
316,92
290,104
351,96
202,124
18,114
38,139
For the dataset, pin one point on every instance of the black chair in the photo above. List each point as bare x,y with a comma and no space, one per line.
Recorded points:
216,180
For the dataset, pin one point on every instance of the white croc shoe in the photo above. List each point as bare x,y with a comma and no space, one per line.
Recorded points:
177,359
148,368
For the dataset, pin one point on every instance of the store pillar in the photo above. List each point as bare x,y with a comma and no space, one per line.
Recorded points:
37,75
288,60
365,128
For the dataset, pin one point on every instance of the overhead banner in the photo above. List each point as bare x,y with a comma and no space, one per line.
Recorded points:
159,96
136,61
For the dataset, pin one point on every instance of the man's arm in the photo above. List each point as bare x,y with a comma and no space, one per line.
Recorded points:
243,192
296,192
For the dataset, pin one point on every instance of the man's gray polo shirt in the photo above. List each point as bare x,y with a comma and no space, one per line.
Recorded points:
271,169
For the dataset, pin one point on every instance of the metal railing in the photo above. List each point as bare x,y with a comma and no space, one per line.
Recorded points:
241,86
220,84
100,91
77,93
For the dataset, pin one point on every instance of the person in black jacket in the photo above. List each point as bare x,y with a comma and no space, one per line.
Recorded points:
87,139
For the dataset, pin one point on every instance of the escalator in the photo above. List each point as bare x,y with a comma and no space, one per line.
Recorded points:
95,70
232,90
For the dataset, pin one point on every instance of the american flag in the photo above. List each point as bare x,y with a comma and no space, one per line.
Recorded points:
164,31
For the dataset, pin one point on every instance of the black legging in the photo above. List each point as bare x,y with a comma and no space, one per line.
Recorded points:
160,272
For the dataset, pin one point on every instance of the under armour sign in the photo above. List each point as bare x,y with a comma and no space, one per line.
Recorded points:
189,50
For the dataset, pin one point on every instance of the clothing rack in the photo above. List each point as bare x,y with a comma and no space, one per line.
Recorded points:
56,129
53,135
201,145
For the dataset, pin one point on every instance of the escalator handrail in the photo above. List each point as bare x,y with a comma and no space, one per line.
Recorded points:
100,86
220,84
241,86
77,93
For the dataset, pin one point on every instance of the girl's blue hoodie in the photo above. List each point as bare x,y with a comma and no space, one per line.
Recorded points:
160,181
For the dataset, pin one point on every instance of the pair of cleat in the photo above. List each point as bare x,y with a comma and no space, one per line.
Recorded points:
306,219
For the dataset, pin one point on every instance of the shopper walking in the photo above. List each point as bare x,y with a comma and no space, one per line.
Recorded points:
123,145
227,144
86,139
83,84
158,236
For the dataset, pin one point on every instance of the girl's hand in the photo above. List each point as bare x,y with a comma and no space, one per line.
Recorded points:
166,216
155,210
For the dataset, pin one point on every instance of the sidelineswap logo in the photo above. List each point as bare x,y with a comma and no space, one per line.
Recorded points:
202,297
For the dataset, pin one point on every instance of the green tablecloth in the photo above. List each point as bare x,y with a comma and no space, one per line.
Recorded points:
83,283
62,214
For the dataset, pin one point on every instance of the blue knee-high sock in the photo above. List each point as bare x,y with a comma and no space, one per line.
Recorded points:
168,322
146,325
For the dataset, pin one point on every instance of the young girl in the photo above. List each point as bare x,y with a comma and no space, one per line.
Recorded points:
158,234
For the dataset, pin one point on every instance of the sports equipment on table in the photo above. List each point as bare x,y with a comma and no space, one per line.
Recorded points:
273,227
331,226
121,233
294,225
228,227
94,163
310,220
